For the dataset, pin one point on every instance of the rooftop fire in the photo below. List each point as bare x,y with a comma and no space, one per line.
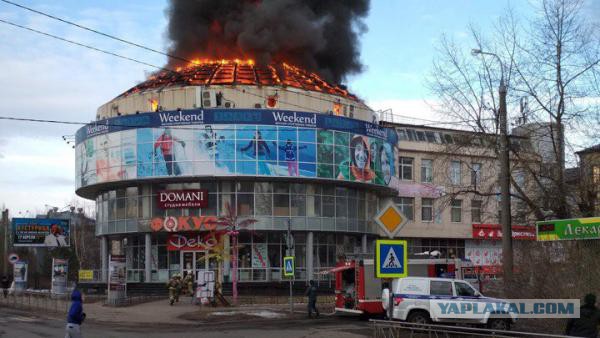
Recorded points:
239,72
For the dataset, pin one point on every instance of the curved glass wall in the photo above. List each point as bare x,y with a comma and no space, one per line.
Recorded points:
309,207
289,144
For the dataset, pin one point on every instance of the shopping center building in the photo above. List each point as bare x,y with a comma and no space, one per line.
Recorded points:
276,143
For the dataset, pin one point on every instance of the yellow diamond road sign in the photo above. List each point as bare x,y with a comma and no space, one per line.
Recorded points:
391,219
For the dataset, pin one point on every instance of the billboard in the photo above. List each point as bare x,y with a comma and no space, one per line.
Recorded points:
60,268
568,229
47,232
235,142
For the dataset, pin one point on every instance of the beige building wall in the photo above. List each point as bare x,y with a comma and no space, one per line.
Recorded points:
240,97
443,188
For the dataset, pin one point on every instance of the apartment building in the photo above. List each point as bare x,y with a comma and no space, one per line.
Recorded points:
448,189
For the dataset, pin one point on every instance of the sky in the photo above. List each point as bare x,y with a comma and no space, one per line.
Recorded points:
44,78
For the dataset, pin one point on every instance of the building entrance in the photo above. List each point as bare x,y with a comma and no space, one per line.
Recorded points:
195,261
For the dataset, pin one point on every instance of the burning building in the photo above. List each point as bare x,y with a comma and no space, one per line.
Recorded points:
267,140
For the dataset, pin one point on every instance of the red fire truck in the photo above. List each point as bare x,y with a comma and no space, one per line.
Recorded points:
356,288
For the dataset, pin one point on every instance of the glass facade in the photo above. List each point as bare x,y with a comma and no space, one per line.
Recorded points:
308,206
327,249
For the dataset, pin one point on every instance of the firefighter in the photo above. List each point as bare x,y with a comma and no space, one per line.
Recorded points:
188,283
174,285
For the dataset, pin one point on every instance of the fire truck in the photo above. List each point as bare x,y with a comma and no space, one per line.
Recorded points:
356,288
358,291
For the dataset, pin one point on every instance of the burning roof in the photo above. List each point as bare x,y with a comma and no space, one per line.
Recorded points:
239,72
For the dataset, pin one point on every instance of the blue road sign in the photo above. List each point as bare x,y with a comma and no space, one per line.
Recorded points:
288,266
391,257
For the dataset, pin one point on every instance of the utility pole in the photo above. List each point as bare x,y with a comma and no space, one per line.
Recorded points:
289,251
503,157
5,246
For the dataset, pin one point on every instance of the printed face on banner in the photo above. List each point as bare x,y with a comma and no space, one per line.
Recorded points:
236,150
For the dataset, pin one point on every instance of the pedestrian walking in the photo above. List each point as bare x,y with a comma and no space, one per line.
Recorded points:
174,286
5,284
75,316
311,292
589,318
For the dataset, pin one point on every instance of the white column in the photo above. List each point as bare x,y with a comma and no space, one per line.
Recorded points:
309,255
104,257
364,243
148,258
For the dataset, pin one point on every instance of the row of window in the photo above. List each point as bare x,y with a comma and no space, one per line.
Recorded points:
407,206
406,171
250,199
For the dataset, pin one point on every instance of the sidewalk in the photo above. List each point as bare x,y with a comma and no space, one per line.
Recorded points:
161,313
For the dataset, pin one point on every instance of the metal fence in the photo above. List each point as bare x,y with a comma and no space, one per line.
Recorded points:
395,329
35,300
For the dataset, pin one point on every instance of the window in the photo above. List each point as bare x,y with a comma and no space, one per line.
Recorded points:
440,288
455,172
596,174
456,211
406,204
427,171
421,136
475,174
448,139
402,136
412,135
427,209
430,136
406,168
475,211
464,290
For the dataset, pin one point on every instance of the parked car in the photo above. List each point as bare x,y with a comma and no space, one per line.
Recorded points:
417,299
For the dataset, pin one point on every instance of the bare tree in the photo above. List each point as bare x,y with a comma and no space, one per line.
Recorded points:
551,65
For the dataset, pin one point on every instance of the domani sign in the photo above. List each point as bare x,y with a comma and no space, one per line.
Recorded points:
569,229
174,199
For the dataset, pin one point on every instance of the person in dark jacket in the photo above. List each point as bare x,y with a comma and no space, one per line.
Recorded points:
311,292
75,316
589,318
5,284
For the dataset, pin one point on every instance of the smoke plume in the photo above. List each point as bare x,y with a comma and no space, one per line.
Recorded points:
318,35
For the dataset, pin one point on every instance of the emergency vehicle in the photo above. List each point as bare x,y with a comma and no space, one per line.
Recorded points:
356,288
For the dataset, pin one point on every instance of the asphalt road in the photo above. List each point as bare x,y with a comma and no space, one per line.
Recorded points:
24,325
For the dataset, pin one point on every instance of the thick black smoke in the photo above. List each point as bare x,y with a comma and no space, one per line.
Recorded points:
318,35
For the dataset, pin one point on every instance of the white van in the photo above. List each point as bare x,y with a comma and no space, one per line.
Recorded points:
417,299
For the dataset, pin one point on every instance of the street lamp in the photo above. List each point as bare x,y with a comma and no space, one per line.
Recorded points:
507,249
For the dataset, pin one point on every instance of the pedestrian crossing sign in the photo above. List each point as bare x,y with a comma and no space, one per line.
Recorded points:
288,266
391,256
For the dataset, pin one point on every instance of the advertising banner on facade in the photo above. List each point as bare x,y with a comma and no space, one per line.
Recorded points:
20,272
60,269
259,256
117,273
260,143
46,232
494,231
483,253
569,229
193,242
176,199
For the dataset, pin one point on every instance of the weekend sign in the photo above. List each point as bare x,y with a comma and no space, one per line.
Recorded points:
568,229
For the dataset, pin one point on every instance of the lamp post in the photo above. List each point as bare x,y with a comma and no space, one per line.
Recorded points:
505,218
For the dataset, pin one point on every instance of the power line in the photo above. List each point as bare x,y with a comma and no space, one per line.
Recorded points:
93,30
155,66
130,42
80,44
